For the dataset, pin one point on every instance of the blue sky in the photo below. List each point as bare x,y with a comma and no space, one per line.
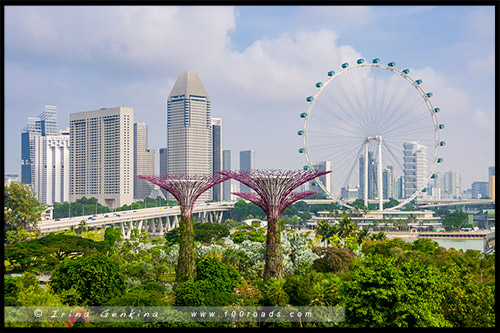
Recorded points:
257,63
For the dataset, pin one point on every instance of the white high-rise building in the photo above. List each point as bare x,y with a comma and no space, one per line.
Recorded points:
44,124
452,183
414,166
144,161
388,182
217,155
326,180
189,129
51,168
102,156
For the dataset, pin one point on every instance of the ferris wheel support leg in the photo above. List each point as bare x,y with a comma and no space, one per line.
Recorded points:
380,182
365,194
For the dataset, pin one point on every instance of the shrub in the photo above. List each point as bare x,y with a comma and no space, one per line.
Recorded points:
96,278
213,285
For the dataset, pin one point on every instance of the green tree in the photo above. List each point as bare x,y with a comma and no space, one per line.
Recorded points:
455,220
112,236
252,233
467,303
22,212
96,278
213,285
332,259
383,292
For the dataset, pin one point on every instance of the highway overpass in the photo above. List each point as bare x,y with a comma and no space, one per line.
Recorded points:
156,221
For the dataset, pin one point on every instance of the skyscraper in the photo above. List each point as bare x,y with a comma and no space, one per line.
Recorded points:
388,181
491,182
247,162
102,156
326,180
226,165
51,168
189,129
372,177
144,161
452,182
414,166
163,167
44,124
217,155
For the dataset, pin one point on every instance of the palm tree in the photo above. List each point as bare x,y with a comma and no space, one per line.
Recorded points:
346,227
363,235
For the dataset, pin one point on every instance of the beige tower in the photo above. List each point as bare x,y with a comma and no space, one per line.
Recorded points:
102,156
189,129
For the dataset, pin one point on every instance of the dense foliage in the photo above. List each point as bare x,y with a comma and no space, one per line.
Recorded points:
378,282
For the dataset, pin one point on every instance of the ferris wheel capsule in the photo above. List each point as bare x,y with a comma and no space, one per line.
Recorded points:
441,126
418,81
391,64
345,65
436,110
301,132
406,71
360,61
319,84
331,73
309,98
303,115
376,60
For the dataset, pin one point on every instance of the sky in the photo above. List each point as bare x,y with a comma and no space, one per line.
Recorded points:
257,63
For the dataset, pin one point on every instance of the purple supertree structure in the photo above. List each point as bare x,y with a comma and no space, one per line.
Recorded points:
186,189
273,193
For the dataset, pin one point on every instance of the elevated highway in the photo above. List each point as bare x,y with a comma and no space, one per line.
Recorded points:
156,221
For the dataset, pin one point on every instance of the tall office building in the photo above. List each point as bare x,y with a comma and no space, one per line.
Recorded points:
44,124
163,167
452,183
414,166
247,162
51,168
326,180
491,182
102,156
479,190
144,161
217,155
372,177
388,182
226,165
189,129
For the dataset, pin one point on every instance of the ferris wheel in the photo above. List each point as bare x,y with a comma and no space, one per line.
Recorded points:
377,129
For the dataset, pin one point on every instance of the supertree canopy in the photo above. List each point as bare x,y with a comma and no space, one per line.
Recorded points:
186,189
273,193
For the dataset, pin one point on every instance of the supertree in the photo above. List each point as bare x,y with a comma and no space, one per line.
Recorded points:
186,189
273,193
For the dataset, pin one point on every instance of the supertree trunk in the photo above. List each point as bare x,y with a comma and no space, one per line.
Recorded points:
274,252
273,193
186,189
186,262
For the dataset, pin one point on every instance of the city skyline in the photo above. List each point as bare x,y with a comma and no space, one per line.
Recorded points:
258,63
